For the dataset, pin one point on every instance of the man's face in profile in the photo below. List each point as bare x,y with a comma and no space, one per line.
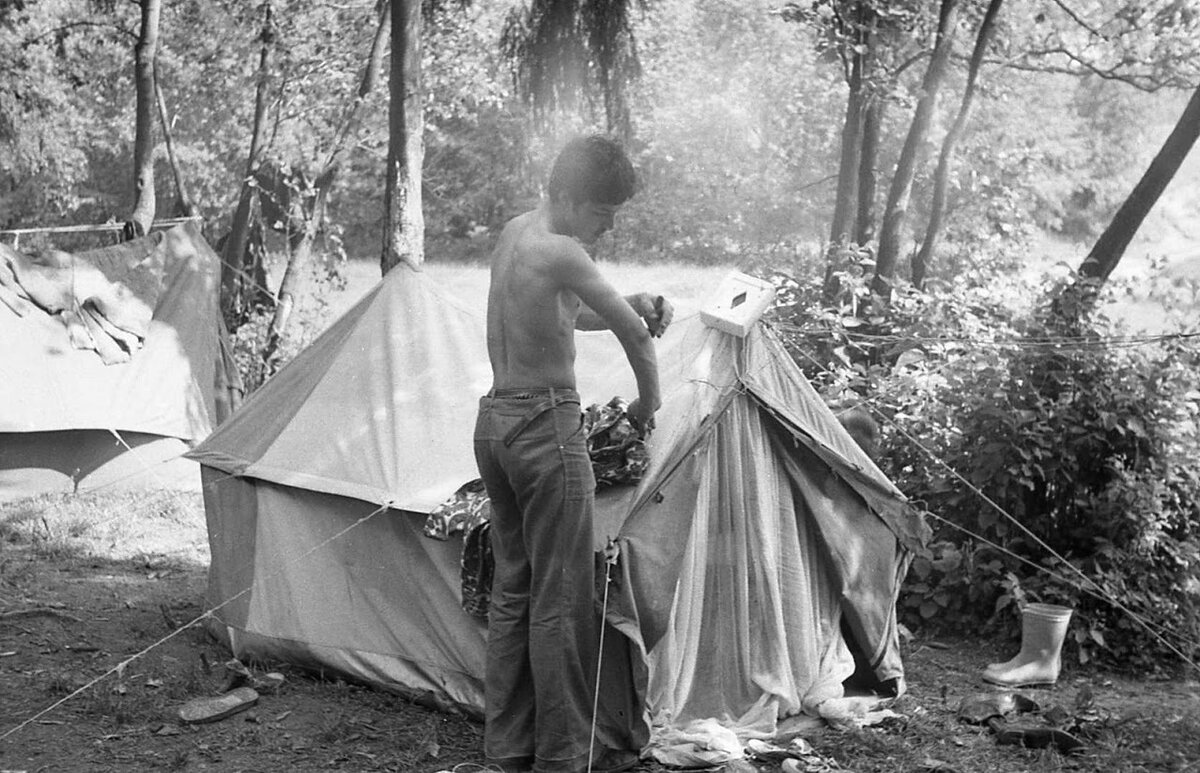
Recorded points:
591,220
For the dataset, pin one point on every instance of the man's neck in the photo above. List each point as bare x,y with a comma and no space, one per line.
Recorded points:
556,217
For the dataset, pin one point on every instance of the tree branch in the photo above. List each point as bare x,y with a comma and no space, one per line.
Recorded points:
72,25
1076,18
1143,82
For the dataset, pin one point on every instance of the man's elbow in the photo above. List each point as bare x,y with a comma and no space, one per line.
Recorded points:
637,336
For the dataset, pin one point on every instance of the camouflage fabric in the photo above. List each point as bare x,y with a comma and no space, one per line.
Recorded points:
619,456
477,567
460,513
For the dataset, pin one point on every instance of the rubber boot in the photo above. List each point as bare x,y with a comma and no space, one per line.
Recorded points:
1043,629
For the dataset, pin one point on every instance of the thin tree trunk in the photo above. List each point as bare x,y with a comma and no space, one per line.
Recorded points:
902,183
143,145
234,270
186,206
868,172
293,275
404,232
868,163
920,265
845,205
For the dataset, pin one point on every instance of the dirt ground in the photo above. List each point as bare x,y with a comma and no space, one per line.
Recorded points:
97,656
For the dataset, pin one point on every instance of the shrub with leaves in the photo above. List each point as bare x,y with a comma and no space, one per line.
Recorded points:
1028,447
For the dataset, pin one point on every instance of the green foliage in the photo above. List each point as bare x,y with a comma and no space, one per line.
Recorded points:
1086,441
309,318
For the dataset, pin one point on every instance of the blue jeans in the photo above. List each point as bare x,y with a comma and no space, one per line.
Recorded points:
542,634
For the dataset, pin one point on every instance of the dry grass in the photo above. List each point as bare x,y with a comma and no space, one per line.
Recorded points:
152,527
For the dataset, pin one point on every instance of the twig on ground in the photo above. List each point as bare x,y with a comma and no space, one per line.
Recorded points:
35,611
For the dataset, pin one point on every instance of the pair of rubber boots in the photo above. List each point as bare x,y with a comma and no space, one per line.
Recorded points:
1043,629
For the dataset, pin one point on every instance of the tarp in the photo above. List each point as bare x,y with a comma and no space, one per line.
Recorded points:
65,415
758,528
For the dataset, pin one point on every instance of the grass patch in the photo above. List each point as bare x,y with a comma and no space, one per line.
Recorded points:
155,528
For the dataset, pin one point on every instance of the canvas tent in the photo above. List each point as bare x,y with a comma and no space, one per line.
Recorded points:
759,530
119,415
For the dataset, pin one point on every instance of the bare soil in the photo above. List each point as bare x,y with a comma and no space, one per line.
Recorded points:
102,640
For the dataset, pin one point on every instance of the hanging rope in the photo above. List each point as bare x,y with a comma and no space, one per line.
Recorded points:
120,667
17,233
1064,343
610,560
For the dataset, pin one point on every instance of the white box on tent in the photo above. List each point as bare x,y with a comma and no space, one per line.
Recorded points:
738,303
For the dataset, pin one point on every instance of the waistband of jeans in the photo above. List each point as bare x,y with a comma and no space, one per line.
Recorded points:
534,393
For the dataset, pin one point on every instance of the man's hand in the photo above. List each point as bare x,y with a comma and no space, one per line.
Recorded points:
657,311
641,416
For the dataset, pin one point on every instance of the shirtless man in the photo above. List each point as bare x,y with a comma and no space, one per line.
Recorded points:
533,458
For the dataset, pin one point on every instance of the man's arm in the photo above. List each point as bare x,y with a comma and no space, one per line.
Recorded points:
656,310
574,270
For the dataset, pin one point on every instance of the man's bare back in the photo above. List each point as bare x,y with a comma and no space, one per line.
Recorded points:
544,286
531,317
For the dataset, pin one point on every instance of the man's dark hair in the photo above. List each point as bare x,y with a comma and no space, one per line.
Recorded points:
593,169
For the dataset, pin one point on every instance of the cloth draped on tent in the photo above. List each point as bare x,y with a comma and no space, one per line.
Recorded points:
72,420
105,298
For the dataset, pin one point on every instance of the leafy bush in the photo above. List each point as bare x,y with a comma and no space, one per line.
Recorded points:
1085,437
309,317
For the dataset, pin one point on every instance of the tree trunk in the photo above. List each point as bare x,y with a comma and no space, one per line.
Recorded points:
920,266
901,188
143,145
845,205
233,272
616,107
404,231
1111,245
185,205
298,263
1071,304
868,162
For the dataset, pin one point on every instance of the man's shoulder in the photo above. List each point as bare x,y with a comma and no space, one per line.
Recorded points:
542,246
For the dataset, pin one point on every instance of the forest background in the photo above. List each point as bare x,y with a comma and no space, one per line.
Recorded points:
941,191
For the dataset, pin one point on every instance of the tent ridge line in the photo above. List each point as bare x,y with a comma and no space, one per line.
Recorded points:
166,222
259,472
